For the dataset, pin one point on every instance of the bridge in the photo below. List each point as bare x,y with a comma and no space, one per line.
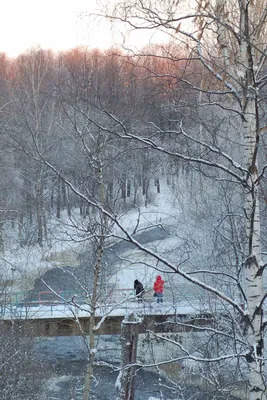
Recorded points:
49,313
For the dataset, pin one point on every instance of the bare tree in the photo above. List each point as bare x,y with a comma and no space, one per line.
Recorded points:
30,120
209,139
22,374
228,41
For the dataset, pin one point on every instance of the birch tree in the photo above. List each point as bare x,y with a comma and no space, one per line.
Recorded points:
221,54
229,41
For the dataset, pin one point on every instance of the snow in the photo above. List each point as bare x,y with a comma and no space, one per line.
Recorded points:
161,211
118,381
53,384
18,262
26,263
157,398
136,265
69,311
65,241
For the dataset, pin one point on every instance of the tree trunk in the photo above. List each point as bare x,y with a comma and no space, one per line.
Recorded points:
64,195
129,339
97,271
1,237
89,368
68,202
52,198
58,204
128,188
123,188
157,184
29,198
39,200
253,272
20,230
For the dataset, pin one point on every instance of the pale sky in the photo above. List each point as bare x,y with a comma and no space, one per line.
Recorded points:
55,24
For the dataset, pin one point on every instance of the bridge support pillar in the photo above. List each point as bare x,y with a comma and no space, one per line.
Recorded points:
129,338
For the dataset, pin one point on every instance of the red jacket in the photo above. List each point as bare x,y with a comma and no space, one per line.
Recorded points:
158,284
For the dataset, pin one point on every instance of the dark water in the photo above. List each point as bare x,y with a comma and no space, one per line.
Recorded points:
104,383
73,279
67,358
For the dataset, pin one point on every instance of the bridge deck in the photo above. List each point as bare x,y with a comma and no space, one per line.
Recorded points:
43,305
55,314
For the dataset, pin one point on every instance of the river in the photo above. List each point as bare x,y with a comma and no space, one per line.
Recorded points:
66,356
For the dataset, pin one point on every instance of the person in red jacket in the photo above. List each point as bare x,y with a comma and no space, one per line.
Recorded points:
158,288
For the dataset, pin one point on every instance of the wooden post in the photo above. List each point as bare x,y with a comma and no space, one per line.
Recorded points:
129,338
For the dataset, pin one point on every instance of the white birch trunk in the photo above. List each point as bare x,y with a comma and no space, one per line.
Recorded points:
253,274
252,269
90,364
97,271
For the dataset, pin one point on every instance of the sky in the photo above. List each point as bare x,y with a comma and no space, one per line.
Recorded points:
57,24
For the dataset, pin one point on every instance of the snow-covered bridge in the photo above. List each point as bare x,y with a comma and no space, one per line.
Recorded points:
54,314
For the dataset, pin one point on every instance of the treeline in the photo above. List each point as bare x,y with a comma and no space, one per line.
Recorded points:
70,110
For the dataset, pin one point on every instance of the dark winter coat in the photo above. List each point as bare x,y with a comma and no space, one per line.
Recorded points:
138,287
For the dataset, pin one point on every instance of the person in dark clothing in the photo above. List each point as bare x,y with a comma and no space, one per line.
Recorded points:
139,290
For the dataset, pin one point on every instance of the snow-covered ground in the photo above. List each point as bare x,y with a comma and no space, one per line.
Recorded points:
22,265
65,238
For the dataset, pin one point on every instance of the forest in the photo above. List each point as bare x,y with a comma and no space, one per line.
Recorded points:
72,108
94,135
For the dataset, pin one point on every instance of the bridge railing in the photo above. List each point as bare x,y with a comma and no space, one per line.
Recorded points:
33,303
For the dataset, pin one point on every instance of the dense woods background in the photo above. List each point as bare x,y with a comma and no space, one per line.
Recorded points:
61,106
